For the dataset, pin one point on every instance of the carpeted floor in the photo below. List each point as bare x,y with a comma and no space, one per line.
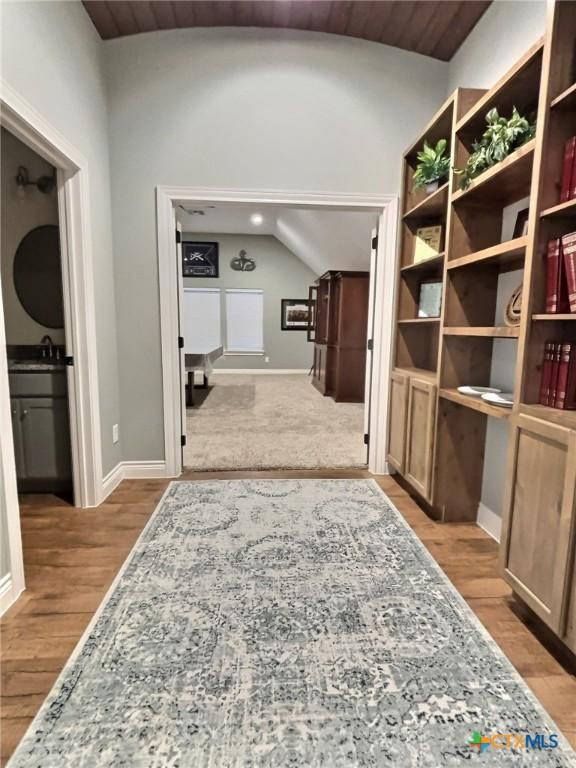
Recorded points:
272,422
284,624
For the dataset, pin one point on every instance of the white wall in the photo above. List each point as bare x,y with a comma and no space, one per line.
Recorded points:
51,55
273,109
503,34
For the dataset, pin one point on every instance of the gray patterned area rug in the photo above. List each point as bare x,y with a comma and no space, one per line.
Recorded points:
286,624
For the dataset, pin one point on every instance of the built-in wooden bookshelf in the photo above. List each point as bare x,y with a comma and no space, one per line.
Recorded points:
433,359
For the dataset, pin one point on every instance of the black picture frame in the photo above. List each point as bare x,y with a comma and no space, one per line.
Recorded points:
521,225
200,258
300,309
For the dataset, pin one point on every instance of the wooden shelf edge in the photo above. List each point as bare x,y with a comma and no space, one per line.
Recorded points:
495,331
509,248
496,170
565,419
568,207
419,210
425,264
419,320
521,64
418,373
558,317
564,97
475,403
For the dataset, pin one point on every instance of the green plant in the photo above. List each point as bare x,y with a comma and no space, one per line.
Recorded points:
433,164
501,137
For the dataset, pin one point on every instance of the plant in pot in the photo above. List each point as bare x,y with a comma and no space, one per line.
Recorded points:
433,166
501,137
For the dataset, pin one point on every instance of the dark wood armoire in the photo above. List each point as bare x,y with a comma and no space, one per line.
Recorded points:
338,328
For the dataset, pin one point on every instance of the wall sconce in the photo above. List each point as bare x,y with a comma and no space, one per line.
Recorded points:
44,184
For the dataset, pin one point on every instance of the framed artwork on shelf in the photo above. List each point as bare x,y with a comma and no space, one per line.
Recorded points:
521,225
200,259
427,243
295,314
430,298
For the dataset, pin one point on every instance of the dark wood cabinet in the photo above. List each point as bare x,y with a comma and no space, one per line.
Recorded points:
338,329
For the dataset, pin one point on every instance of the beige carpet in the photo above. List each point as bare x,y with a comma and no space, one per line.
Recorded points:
271,422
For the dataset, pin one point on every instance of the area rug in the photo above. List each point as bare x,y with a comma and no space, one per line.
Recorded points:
271,421
286,624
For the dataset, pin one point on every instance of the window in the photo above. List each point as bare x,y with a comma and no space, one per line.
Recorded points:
244,321
201,316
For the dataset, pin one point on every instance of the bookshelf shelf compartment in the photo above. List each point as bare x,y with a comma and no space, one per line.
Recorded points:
565,210
507,255
428,265
431,207
495,332
504,183
475,404
559,318
566,100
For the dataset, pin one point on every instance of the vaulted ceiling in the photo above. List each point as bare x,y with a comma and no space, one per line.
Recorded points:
432,28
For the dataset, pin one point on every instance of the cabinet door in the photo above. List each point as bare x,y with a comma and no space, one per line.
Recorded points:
420,435
17,435
538,515
45,437
398,412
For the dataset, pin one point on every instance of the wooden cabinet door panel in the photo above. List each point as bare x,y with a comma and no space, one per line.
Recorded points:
420,435
45,437
539,511
398,414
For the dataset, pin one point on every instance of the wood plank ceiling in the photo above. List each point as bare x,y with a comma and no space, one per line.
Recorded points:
431,28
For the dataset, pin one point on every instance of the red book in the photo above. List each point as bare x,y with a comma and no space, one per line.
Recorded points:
562,382
567,170
554,374
569,258
570,404
547,366
573,184
552,274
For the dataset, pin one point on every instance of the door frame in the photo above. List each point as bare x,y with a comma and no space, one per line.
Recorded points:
386,206
24,122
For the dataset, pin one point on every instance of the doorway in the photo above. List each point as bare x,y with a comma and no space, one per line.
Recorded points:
380,263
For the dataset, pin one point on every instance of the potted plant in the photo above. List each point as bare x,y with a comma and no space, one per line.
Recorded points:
432,168
501,137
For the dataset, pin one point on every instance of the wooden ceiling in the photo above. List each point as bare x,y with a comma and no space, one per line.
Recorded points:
431,28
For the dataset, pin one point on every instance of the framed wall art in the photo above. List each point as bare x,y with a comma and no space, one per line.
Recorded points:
200,259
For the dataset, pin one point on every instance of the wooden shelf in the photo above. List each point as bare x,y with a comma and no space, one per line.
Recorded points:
566,100
562,210
420,320
505,182
554,317
418,373
432,206
507,254
428,265
438,127
555,415
475,403
496,332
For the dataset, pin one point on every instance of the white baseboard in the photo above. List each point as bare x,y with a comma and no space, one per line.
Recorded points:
131,470
8,595
489,521
258,371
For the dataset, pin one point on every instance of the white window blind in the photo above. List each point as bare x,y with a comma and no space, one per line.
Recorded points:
244,321
201,315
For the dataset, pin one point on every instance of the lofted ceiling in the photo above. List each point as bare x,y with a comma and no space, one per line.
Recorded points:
430,27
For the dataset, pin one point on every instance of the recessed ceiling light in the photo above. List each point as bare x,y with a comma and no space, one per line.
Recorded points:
257,219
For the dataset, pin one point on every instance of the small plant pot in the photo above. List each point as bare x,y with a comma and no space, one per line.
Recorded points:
432,186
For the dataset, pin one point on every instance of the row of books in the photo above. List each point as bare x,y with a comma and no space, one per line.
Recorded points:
561,274
568,186
558,383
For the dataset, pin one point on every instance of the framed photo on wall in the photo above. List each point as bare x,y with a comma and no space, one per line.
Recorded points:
200,259
295,314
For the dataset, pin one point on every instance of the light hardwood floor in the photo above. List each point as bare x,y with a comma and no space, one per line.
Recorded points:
72,556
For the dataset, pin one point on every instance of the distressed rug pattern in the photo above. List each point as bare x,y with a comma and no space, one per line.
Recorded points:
283,624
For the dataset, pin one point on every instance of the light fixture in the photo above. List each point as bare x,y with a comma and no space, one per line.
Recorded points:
44,184
256,219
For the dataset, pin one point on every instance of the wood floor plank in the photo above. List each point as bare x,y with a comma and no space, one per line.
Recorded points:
72,556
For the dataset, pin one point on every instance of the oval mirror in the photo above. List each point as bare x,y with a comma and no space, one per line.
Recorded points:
38,276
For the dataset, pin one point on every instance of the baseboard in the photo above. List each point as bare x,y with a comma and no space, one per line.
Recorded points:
258,371
8,595
489,521
131,470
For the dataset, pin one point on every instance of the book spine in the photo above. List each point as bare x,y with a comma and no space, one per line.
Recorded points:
570,404
546,373
552,274
567,169
563,366
569,259
554,375
573,182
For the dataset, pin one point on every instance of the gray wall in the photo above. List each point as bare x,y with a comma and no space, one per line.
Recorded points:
51,55
267,109
281,275
18,216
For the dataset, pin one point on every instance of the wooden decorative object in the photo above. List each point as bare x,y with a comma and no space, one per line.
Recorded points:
513,308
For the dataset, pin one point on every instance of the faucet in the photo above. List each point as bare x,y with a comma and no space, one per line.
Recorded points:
46,342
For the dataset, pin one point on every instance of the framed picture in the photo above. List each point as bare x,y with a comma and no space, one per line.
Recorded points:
521,226
200,259
430,299
295,314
